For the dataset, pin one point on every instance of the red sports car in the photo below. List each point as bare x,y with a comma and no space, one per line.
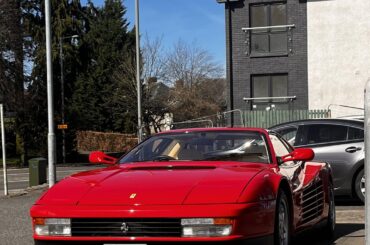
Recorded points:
195,185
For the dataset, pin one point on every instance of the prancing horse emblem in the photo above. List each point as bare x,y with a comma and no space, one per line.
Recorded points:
133,195
124,227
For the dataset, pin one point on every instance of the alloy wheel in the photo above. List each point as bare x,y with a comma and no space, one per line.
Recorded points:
362,185
283,223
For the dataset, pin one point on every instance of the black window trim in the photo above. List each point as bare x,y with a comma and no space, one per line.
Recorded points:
338,142
270,75
268,32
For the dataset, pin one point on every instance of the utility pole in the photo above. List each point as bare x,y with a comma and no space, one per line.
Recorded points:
138,81
49,65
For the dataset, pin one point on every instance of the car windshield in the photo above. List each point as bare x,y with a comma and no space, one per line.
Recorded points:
241,146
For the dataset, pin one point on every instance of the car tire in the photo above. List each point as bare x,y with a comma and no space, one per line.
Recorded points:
329,228
282,220
360,185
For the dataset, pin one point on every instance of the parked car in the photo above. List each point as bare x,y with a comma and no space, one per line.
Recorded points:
337,141
194,185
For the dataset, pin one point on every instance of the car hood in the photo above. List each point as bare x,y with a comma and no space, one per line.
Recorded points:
155,184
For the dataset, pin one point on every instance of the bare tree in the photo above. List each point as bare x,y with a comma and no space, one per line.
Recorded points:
184,81
154,59
191,64
205,98
154,93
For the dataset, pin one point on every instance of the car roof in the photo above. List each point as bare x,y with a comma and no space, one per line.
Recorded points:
341,121
261,130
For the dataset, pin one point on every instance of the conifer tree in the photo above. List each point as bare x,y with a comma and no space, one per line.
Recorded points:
107,44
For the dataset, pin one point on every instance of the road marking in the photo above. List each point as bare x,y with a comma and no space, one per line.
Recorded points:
16,174
63,171
350,211
18,181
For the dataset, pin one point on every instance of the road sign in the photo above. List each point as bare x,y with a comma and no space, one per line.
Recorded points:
62,126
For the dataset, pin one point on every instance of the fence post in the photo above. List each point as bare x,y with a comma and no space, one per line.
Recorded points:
4,149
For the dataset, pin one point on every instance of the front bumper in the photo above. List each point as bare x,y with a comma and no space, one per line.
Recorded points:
251,220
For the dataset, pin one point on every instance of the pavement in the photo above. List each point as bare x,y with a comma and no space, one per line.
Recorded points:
15,223
349,230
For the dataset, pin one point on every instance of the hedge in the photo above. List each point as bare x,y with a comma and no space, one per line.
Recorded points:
88,141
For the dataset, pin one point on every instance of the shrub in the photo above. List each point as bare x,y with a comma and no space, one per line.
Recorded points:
88,141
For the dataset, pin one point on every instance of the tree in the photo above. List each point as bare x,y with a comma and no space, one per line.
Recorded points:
154,93
11,65
67,20
11,54
88,66
183,81
197,88
205,98
190,64
97,102
154,59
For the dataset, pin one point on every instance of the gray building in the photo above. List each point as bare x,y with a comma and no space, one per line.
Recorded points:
291,49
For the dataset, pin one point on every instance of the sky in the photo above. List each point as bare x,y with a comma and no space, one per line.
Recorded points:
194,21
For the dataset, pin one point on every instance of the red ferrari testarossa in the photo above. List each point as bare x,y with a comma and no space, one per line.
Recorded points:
196,185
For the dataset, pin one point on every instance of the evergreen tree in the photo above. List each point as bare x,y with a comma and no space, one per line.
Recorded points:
67,20
97,100
11,65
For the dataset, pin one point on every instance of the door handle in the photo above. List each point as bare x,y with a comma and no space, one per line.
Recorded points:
353,149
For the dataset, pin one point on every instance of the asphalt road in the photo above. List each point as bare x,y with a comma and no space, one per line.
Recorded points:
15,224
18,179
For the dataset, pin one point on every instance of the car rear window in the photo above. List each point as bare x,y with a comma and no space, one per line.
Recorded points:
355,134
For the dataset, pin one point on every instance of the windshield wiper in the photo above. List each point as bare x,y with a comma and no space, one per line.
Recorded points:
163,158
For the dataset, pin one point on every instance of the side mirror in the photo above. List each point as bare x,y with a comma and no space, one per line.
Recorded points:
99,157
301,154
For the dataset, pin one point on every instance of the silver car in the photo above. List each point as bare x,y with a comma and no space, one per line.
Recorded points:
339,142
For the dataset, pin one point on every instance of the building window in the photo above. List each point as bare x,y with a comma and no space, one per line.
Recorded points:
270,40
268,86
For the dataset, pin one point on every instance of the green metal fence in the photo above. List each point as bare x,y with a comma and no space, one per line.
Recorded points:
266,119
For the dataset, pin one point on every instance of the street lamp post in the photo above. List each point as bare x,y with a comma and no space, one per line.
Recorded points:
61,58
138,82
49,66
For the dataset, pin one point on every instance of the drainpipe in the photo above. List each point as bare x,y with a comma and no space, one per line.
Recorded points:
230,61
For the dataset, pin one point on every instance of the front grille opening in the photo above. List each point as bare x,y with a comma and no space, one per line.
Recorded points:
104,227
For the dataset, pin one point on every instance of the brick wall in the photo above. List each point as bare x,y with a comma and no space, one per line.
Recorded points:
295,63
